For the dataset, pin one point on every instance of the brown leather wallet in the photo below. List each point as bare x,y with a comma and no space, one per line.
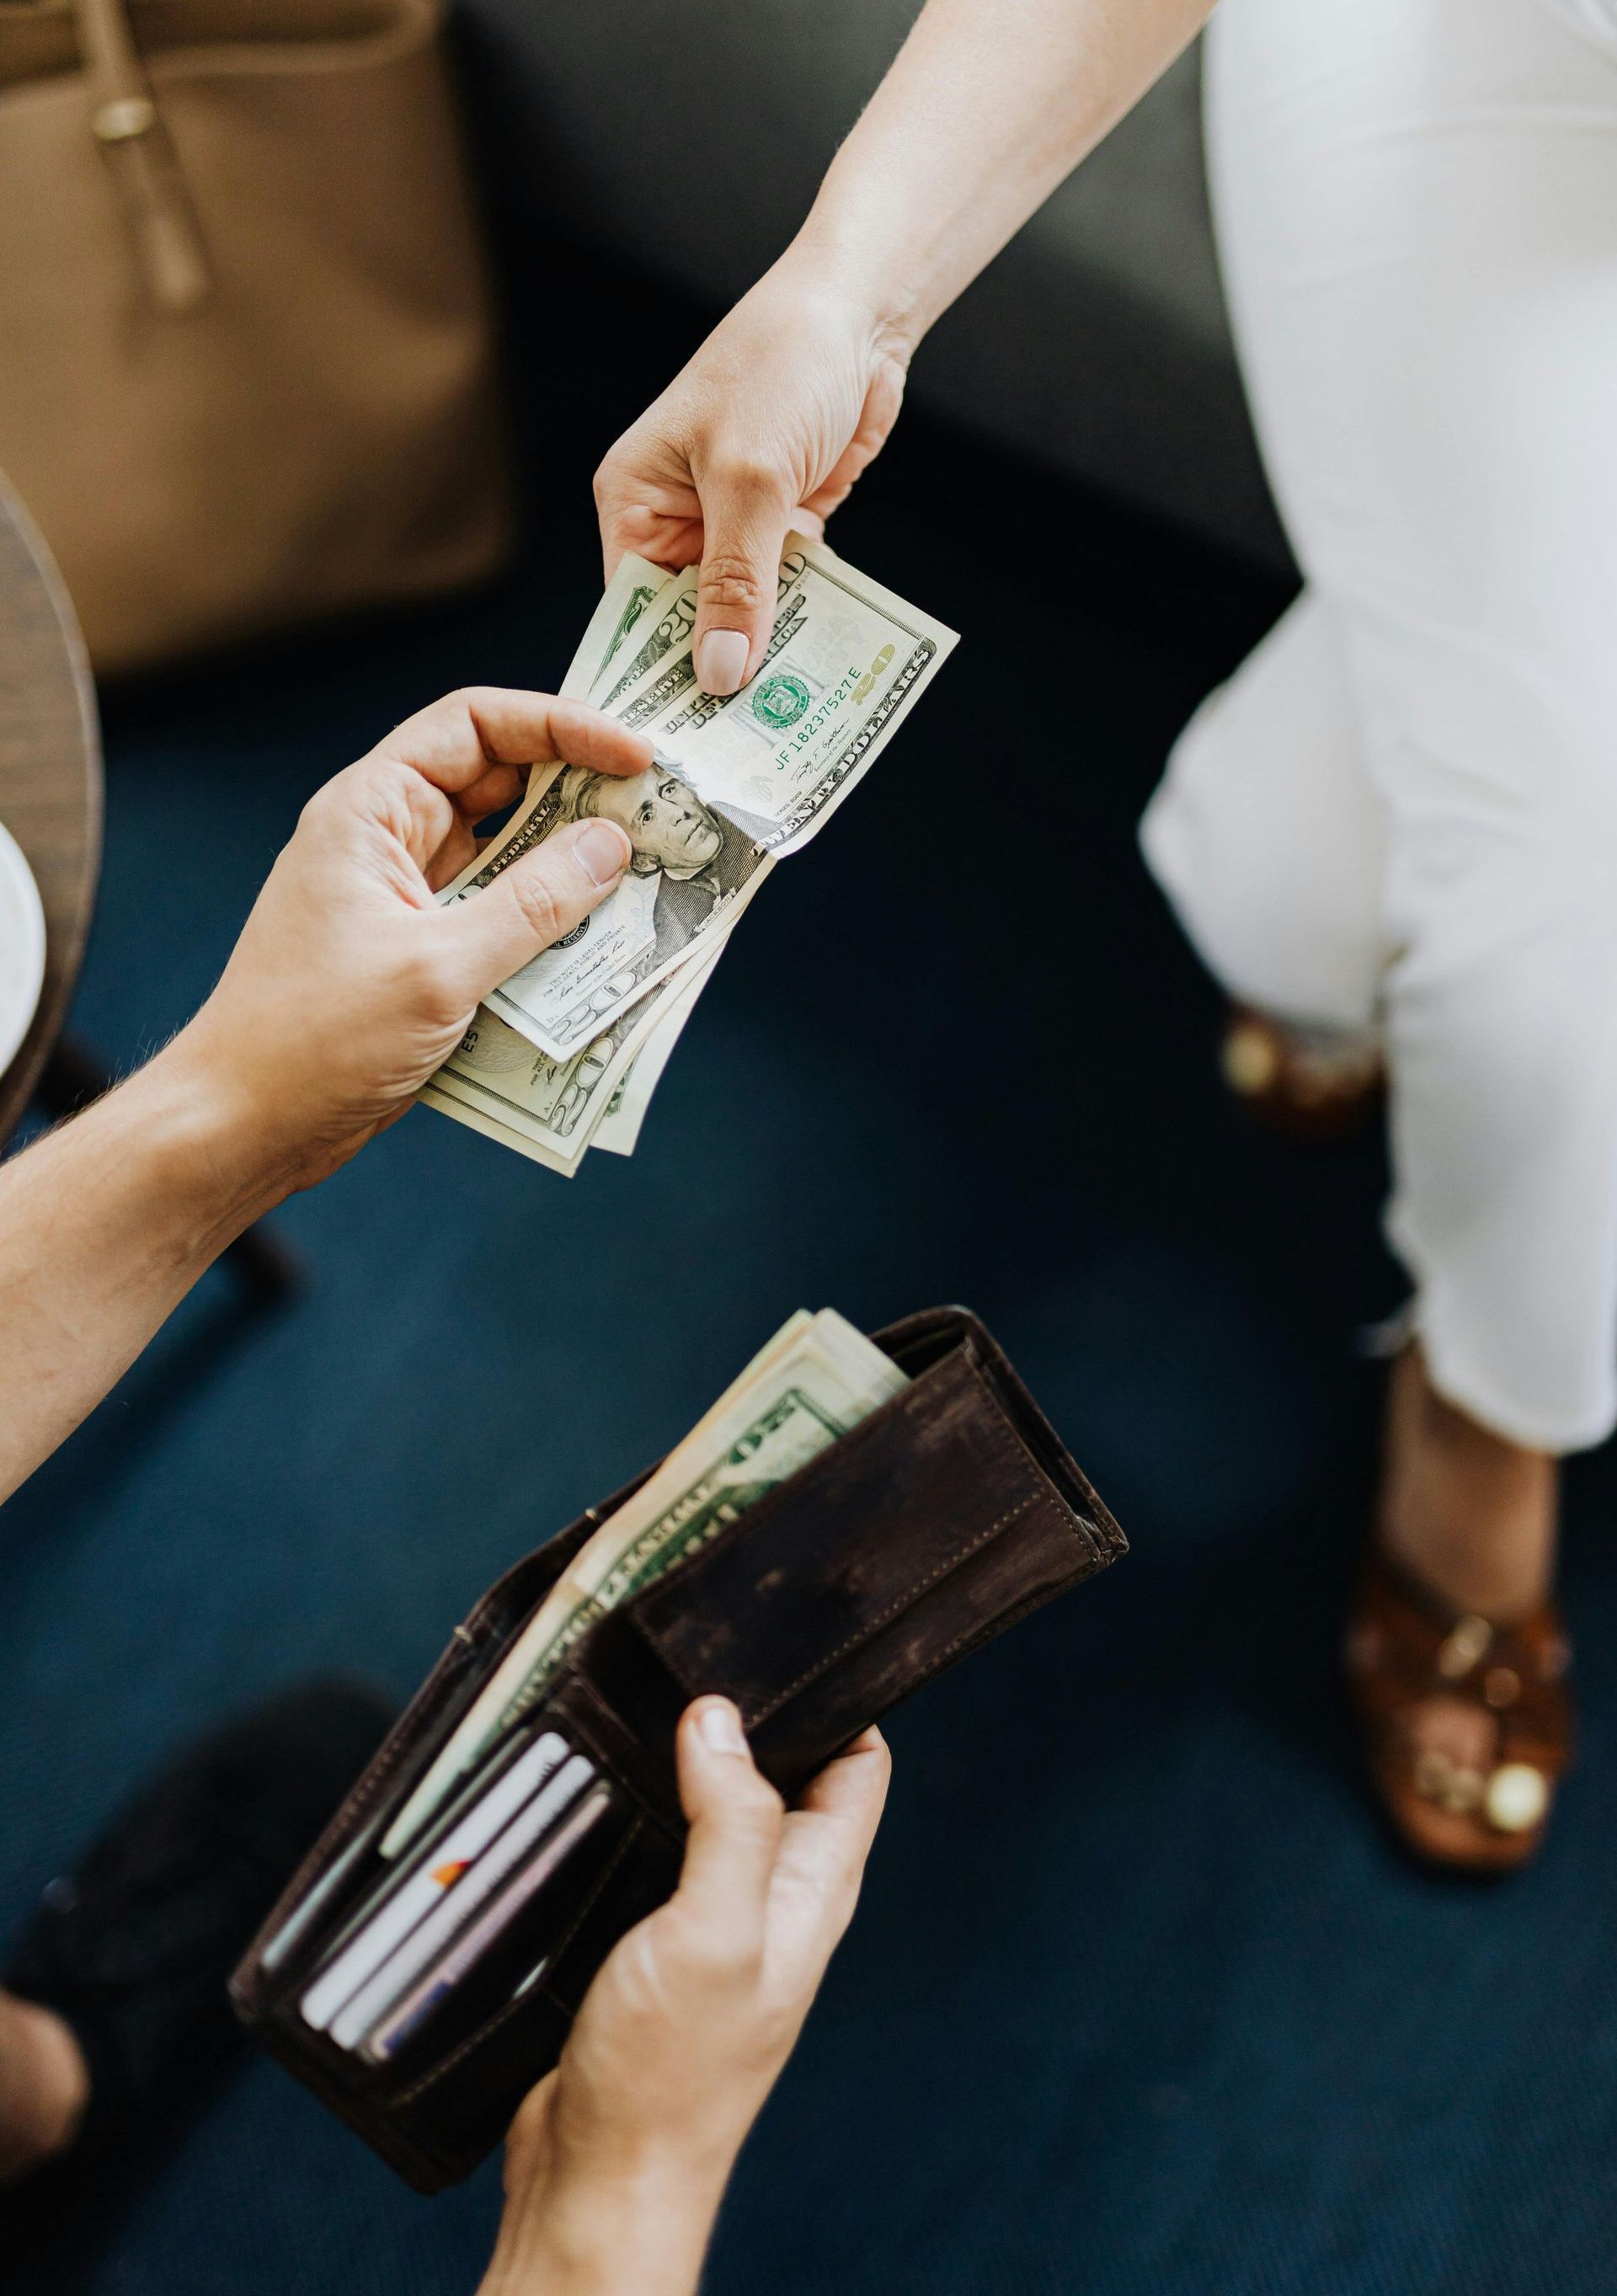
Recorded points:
934,1524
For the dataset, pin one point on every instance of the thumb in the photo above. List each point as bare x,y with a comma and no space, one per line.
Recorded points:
736,1819
745,516
537,901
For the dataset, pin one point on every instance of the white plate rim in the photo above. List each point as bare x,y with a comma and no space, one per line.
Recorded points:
19,877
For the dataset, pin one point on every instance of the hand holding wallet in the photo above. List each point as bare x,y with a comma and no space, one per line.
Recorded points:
422,1993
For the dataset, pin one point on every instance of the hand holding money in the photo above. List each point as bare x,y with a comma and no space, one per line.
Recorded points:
348,983
565,1053
768,428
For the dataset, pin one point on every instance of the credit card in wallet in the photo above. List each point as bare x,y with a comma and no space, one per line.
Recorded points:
438,1982
312,1913
470,1889
400,1909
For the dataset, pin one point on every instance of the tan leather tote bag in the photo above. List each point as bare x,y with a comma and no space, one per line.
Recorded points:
245,368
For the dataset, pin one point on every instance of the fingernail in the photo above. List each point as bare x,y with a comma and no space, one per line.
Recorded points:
721,661
603,852
719,1724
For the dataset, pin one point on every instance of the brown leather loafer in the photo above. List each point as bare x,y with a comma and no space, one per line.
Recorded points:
1409,1653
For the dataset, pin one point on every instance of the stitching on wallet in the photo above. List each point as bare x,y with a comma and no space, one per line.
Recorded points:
989,1626
1026,1457
1004,1435
899,1604
484,2032
1006,1440
1089,1532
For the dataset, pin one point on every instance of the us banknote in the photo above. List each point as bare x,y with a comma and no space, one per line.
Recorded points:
817,1378
618,1127
737,782
552,1111
628,598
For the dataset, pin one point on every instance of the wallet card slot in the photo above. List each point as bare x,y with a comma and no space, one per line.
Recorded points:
473,1650
449,2095
514,1964
262,1981
461,2105
511,1960
494,1995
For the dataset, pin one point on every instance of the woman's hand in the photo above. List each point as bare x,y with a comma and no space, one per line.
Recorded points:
766,428
987,105
349,984
616,2164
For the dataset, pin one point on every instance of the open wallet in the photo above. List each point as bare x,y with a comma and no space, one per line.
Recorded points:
422,1995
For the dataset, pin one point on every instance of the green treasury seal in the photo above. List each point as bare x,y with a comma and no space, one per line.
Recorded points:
780,701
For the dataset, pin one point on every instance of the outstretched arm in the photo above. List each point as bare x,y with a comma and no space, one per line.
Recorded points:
347,987
988,105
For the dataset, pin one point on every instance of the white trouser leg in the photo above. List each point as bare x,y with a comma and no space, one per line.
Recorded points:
1269,838
1418,212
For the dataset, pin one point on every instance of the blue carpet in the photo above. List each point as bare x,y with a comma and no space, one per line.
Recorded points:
1138,1998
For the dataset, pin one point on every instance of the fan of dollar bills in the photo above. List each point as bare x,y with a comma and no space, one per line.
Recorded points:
567,1055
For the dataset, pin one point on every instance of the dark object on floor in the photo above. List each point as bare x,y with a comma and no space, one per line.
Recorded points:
134,1949
72,1077
1406,1648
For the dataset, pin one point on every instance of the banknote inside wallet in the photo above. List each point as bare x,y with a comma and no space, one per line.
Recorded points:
420,1994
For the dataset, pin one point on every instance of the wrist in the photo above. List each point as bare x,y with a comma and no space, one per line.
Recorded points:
640,2227
832,265
221,1166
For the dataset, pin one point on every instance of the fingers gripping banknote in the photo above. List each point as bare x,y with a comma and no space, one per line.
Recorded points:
738,781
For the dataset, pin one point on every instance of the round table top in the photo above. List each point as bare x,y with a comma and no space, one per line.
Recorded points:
50,776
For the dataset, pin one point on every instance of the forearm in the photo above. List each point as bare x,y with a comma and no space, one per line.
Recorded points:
104,1226
989,105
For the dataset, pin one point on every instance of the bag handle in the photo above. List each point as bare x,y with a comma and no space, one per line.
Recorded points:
140,159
